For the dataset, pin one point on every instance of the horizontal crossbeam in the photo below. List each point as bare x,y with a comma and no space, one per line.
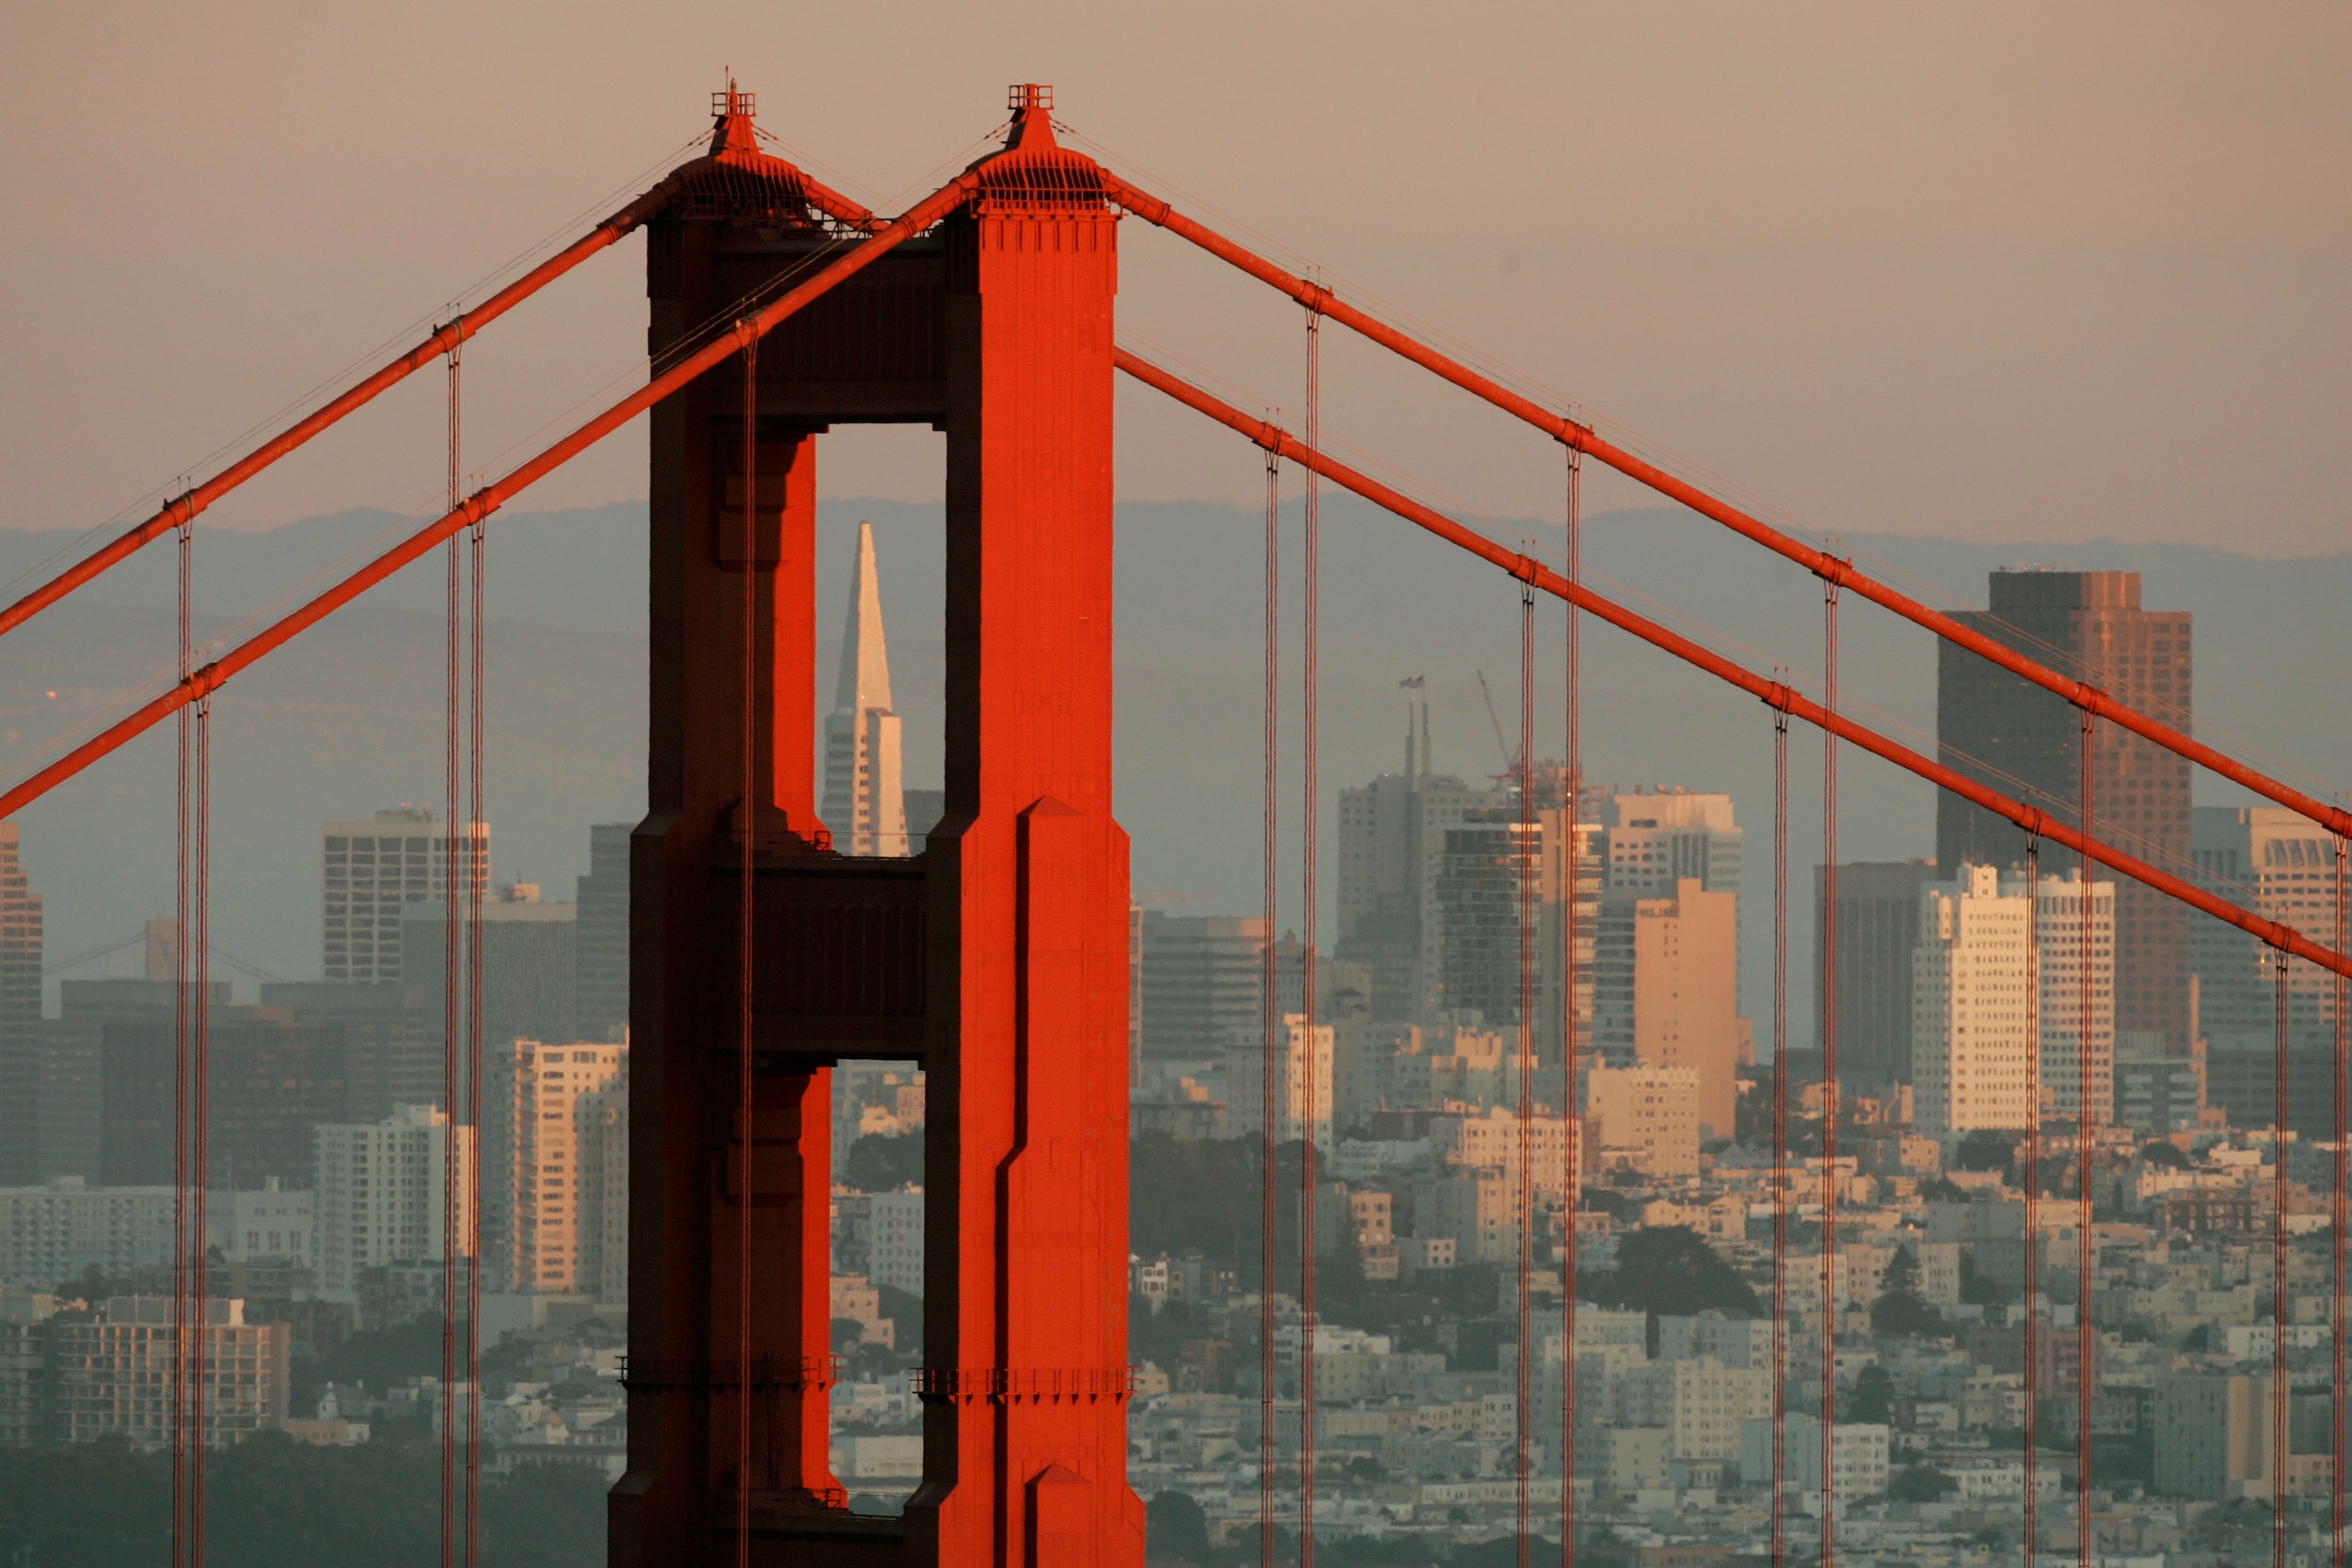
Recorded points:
1584,438
1778,694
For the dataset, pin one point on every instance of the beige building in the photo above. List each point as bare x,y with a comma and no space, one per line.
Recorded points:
76,1377
1652,1111
2212,1437
1976,1022
570,1168
1493,1142
1666,980
1302,1089
378,1194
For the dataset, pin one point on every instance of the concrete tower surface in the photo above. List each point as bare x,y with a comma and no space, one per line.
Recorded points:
865,802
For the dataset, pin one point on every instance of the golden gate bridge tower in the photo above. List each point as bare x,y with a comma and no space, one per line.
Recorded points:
994,958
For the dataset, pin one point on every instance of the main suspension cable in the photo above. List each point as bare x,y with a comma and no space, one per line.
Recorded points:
1311,575
1572,1120
1270,1010
1829,1081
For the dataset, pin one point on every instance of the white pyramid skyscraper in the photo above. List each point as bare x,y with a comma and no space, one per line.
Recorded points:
864,794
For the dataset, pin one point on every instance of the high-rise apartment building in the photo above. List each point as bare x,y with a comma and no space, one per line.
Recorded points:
567,1162
894,1255
1302,1087
2014,736
77,1377
600,950
1499,876
1878,927
865,803
1650,1113
1665,990
54,1231
369,871
20,1015
378,1194
1975,1022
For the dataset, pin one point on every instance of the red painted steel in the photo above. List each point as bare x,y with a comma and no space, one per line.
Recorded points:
2030,1495
1584,438
728,162
1777,693
1829,1081
477,506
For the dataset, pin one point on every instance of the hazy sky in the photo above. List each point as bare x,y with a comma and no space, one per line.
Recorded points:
2004,271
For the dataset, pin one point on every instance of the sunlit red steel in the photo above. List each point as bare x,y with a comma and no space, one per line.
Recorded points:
1778,694
1831,568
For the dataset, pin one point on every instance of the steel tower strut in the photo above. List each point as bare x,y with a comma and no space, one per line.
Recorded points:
445,338
1778,694
1841,573
204,681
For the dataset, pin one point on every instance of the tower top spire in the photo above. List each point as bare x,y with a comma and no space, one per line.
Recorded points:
865,682
735,113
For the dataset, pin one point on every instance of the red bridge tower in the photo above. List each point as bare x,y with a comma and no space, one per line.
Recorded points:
995,958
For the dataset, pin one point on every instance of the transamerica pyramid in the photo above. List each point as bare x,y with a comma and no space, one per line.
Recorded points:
865,795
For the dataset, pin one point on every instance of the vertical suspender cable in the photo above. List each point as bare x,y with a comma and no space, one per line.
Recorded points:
2085,1160
453,981
1829,1083
200,1077
1572,1122
1526,865
2279,1303
744,951
2340,1205
1270,1010
2032,1519
477,874
181,1045
1780,1136
1309,593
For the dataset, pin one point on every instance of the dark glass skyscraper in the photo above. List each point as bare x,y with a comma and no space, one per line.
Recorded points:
2026,743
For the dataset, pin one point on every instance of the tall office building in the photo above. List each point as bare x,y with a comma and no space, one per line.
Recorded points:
1974,1021
369,872
1658,836
1491,863
529,960
2281,866
377,1196
1391,847
866,804
1200,979
1994,727
1878,927
567,1167
601,954
21,1058
1665,990
273,1081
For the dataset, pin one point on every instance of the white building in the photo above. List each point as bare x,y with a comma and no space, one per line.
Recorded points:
1493,1142
274,1225
1658,836
54,1232
894,1250
368,870
378,1194
1858,1458
1302,1089
1702,1404
1975,1018
568,1168
866,804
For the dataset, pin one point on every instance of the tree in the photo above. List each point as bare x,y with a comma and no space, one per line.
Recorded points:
1175,1530
2165,1154
1920,1483
1985,1149
1873,1400
883,1162
1900,1309
1669,1269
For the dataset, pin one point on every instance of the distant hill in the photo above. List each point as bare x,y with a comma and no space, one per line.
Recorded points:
349,718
